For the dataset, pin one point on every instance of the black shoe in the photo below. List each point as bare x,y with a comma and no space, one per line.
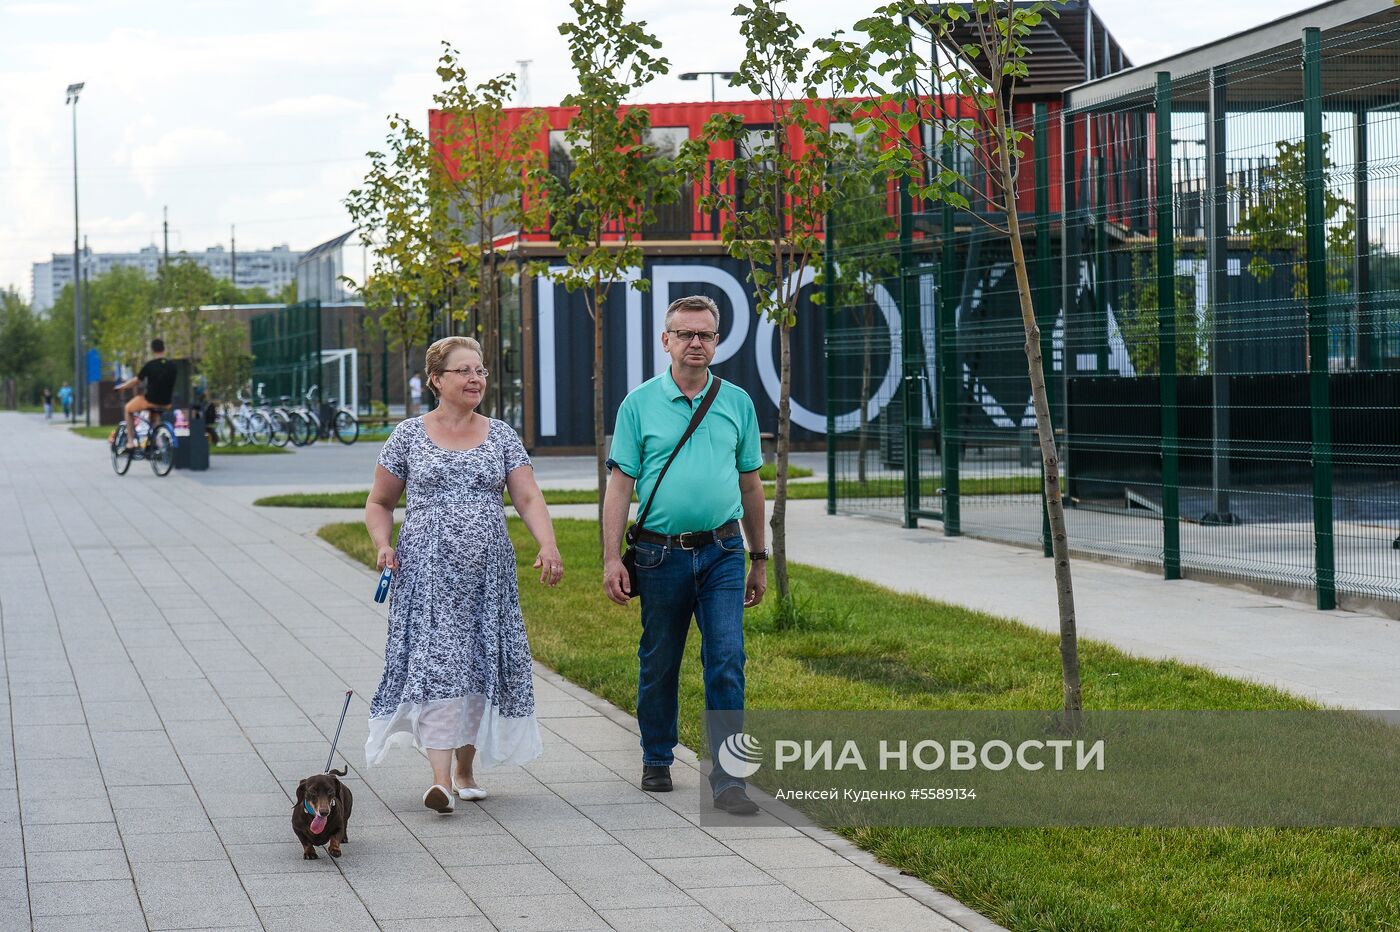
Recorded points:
736,802
656,779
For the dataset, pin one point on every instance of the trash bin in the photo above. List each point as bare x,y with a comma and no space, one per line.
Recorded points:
191,442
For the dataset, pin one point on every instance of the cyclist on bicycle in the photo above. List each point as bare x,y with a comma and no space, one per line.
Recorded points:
157,387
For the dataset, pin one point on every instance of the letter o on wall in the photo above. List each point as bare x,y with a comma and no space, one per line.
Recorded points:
850,420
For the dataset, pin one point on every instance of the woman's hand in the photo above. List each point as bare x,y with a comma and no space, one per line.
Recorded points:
550,565
387,557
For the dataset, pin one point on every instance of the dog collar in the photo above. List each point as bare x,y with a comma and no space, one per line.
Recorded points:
309,811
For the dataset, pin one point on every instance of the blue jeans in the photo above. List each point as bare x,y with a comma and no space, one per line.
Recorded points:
675,584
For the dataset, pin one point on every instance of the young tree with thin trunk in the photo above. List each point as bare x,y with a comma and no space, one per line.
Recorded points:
489,163
401,212
774,195
184,287
601,208
983,56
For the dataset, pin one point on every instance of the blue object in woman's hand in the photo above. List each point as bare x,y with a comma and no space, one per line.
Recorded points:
382,592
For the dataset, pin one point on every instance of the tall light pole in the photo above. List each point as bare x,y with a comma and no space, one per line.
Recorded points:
78,382
695,76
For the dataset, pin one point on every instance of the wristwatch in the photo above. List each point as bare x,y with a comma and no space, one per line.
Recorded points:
758,554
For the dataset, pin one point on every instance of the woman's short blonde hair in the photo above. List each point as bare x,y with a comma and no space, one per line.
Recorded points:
435,362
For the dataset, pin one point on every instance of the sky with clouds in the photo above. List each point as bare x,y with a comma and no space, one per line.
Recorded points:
258,114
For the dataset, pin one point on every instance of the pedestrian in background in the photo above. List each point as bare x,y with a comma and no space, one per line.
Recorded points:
415,394
65,398
457,667
48,403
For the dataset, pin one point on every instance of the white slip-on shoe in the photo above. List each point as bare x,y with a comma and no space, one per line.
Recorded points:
438,799
471,792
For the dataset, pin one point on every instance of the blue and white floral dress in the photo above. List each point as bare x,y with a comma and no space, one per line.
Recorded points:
456,661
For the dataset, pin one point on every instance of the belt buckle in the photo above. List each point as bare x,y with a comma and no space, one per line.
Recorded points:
686,540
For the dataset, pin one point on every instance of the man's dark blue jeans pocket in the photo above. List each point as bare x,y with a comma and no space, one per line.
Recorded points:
733,544
649,556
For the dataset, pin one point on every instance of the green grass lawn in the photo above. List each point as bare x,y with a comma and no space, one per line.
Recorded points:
246,449
876,649
797,491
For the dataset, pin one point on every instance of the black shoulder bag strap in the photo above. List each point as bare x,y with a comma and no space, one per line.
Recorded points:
695,420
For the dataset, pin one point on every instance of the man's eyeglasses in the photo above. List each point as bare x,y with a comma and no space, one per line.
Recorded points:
480,372
685,336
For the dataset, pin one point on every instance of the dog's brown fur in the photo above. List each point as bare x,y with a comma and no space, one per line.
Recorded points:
331,798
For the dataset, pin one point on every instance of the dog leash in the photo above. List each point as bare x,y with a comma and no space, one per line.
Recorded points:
336,740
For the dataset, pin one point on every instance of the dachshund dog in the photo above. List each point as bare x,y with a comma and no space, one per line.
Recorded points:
321,814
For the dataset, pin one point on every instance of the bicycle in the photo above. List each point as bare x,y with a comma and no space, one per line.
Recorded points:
155,443
332,420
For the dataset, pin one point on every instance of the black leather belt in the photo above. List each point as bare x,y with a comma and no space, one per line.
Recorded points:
690,540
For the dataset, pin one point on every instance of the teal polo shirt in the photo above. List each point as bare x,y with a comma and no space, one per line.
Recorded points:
701,490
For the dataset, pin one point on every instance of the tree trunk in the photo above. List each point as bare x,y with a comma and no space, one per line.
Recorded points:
1054,502
779,523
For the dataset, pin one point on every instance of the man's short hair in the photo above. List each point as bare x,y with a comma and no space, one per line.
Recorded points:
157,345
694,302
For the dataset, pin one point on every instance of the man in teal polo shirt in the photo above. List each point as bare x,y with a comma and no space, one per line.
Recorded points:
690,555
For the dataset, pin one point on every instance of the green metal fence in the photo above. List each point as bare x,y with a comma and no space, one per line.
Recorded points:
286,346
1215,261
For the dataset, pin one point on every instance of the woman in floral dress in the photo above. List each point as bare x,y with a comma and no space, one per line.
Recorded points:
456,678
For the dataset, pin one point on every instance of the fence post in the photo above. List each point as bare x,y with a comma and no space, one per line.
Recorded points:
1099,156
829,303
1366,355
1318,327
1044,293
1166,330
1068,295
909,336
1216,221
946,334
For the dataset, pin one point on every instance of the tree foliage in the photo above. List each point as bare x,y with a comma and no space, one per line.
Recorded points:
401,212
774,195
489,165
600,208
21,338
121,308
1138,321
1277,221
183,287
226,364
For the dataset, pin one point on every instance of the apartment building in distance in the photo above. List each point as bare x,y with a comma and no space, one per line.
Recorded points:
271,268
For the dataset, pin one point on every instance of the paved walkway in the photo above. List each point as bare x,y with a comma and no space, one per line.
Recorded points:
174,661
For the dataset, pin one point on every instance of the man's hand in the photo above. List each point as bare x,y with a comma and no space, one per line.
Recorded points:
615,583
757,583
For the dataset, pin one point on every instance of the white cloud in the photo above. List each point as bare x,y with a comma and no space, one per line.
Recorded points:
43,9
314,105
181,147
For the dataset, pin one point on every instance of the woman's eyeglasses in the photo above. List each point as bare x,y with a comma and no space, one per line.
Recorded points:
480,372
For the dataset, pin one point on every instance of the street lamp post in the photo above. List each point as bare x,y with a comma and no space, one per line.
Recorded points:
695,76
72,98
